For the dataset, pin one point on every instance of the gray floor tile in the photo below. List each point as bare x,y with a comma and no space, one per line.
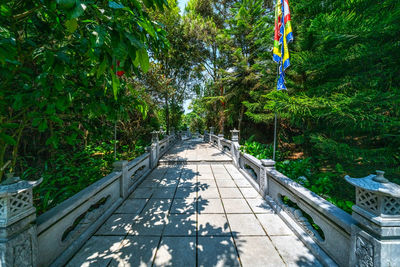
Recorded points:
209,205
211,192
213,225
176,251
186,192
135,251
243,183
168,184
187,183
244,224
273,224
294,252
225,183
148,183
148,225
206,183
134,206
117,224
97,251
182,206
157,206
181,225
257,251
227,192
142,192
222,176
205,176
236,205
217,251
164,193
260,206
249,193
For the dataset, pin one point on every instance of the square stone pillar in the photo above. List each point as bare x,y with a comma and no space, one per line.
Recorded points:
375,239
122,166
154,149
18,235
235,147
266,164
220,137
235,135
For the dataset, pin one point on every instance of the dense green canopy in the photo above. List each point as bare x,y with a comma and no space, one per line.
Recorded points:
73,71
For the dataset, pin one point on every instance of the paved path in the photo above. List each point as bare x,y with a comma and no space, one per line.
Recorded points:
194,215
195,152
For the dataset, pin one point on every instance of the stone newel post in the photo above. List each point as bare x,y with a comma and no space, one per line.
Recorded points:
376,237
154,149
220,137
211,133
235,147
18,236
266,164
121,166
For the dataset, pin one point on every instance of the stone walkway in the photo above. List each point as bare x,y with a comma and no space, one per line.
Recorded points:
195,152
194,215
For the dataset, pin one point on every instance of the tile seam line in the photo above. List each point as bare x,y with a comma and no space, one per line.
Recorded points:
170,207
259,222
229,224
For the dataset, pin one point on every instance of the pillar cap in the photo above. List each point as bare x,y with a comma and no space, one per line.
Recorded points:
268,162
18,186
376,183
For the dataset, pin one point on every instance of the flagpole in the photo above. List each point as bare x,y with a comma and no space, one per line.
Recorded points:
273,155
275,122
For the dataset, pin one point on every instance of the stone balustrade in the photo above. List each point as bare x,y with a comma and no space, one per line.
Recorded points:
56,235
369,237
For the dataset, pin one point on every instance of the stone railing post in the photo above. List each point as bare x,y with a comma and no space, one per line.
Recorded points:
220,137
266,164
18,234
154,149
211,133
235,147
121,166
375,239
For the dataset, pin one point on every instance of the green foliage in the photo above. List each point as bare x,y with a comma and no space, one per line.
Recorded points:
259,150
69,173
341,112
329,184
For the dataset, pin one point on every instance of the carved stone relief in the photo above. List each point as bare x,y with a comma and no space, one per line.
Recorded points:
364,252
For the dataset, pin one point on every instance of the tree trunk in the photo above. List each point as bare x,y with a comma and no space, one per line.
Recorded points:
167,113
240,120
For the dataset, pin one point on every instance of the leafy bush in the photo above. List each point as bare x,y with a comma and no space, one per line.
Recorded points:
327,184
71,172
259,150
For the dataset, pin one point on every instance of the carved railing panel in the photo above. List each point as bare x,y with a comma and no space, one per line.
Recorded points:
75,220
334,223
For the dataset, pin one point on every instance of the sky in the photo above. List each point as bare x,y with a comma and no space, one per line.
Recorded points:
182,4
